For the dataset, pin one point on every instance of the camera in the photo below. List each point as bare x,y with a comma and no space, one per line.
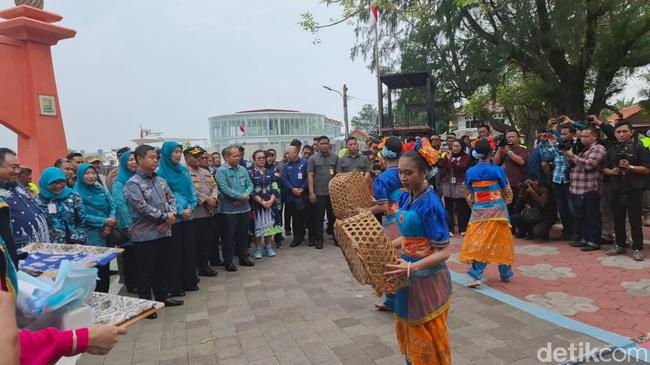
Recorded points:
525,185
501,140
623,151
564,145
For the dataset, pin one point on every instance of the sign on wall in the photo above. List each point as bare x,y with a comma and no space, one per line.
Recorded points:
48,105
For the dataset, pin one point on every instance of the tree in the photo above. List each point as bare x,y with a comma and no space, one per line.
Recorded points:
645,94
366,120
579,51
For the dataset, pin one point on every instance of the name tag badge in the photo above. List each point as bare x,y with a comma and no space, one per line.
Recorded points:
51,208
453,180
300,176
331,171
242,181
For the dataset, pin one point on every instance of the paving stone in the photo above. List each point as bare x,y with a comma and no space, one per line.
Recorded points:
313,312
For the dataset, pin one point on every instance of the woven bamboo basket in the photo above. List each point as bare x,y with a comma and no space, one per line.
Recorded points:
367,250
348,191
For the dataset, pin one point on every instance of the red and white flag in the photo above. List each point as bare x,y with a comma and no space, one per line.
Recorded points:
374,14
242,130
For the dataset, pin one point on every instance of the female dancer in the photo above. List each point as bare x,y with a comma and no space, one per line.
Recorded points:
422,307
488,238
387,190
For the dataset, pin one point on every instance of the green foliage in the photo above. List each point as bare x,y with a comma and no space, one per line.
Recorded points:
575,55
366,120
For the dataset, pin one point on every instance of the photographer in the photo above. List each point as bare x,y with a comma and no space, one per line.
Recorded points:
628,165
535,211
585,190
552,150
512,156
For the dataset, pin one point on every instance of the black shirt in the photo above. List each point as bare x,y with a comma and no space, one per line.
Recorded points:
638,156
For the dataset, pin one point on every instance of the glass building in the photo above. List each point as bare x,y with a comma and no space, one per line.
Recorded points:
270,128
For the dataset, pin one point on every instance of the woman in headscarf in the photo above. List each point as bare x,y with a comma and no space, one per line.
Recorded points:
422,307
454,166
66,215
100,216
126,170
182,254
387,189
488,238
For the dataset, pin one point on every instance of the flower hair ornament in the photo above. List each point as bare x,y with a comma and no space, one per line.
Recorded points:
423,147
430,155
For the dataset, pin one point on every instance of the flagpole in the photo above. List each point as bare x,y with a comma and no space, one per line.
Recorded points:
380,99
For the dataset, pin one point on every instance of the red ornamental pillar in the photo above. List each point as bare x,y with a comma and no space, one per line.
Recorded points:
29,101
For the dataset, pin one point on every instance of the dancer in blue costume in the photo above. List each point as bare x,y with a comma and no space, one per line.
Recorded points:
422,307
387,190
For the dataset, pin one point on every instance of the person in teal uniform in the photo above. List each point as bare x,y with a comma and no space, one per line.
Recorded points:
422,307
100,216
127,169
387,190
182,250
66,216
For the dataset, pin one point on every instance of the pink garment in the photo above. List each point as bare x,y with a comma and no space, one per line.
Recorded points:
48,345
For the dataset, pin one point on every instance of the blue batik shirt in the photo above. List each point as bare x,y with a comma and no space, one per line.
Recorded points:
29,222
150,201
66,218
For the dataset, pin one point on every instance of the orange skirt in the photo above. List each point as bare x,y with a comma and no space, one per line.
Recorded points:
488,241
427,343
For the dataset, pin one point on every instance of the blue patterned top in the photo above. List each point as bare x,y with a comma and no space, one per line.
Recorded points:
66,218
29,222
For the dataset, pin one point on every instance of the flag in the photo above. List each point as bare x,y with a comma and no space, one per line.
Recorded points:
374,14
242,130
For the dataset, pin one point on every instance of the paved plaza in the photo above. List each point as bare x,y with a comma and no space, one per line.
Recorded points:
304,307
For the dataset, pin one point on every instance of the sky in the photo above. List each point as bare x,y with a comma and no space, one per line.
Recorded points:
170,65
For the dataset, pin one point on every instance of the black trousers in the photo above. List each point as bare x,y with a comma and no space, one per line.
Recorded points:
310,215
297,217
459,207
217,231
538,230
130,263
235,236
633,210
182,257
564,206
152,264
287,217
205,239
323,206
587,223
104,276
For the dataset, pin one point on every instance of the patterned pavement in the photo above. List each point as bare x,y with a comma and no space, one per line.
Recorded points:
608,292
304,307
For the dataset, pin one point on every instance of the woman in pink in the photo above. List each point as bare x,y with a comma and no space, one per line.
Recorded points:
48,345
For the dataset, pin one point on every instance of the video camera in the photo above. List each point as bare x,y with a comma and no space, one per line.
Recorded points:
623,151
564,145
501,140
